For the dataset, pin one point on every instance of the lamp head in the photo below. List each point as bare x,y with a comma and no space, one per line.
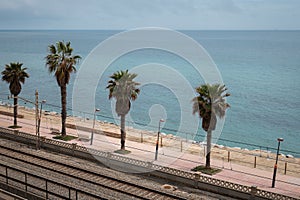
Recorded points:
97,110
280,139
161,120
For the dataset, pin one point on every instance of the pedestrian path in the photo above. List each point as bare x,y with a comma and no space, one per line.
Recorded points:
231,172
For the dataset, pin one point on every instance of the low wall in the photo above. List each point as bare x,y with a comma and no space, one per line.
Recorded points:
191,179
86,129
10,114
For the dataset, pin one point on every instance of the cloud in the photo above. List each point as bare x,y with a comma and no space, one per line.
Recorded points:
225,6
177,14
12,5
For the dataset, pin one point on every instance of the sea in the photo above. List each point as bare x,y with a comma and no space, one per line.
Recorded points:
261,70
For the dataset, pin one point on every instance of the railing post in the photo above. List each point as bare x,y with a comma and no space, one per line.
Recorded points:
141,137
254,161
161,144
26,182
228,159
69,193
6,173
222,162
285,167
260,151
46,189
253,192
181,146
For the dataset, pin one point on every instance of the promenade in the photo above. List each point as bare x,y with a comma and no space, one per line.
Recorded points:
184,157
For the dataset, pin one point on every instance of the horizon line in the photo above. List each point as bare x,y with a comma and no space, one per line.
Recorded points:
33,29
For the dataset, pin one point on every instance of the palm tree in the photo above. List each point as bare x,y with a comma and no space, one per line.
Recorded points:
210,104
61,62
14,75
123,88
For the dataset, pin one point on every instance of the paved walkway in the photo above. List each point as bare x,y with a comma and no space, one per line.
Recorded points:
232,172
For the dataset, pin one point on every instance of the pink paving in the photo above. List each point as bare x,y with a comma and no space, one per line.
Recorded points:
231,172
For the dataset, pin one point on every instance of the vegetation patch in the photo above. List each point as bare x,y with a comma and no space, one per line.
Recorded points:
123,152
204,170
14,127
64,138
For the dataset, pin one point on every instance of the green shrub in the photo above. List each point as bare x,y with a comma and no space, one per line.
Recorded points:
204,170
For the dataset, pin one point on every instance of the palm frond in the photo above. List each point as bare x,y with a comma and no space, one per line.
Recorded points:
123,88
209,102
61,62
14,75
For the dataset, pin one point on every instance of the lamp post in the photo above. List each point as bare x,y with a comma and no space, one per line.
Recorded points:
275,166
37,115
40,116
36,103
157,141
92,135
39,123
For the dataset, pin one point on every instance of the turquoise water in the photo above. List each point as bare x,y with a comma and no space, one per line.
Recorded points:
260,68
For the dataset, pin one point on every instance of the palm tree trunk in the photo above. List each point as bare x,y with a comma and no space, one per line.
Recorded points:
15,110
123,132
63,91
208,145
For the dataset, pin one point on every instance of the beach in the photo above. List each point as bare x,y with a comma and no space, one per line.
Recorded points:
175,146
236,164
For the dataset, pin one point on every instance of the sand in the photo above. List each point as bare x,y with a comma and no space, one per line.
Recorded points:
264,160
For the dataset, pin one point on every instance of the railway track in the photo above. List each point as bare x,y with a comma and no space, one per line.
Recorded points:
95,182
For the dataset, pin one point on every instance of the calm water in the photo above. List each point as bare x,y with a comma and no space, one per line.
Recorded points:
260,68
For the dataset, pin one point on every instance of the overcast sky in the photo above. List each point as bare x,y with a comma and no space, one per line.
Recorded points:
128,14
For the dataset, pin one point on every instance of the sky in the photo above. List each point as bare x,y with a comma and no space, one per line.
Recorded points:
130,14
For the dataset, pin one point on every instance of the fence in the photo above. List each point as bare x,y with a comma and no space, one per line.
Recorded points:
263,158
32,186
259,158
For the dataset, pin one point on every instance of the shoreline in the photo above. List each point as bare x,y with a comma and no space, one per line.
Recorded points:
261,159
80,119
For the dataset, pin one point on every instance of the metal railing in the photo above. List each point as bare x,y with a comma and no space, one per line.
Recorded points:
172,171
45,187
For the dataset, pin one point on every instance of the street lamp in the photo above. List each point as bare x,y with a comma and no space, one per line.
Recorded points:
39,123
37,118
40,116
92,135
275,166
158,132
